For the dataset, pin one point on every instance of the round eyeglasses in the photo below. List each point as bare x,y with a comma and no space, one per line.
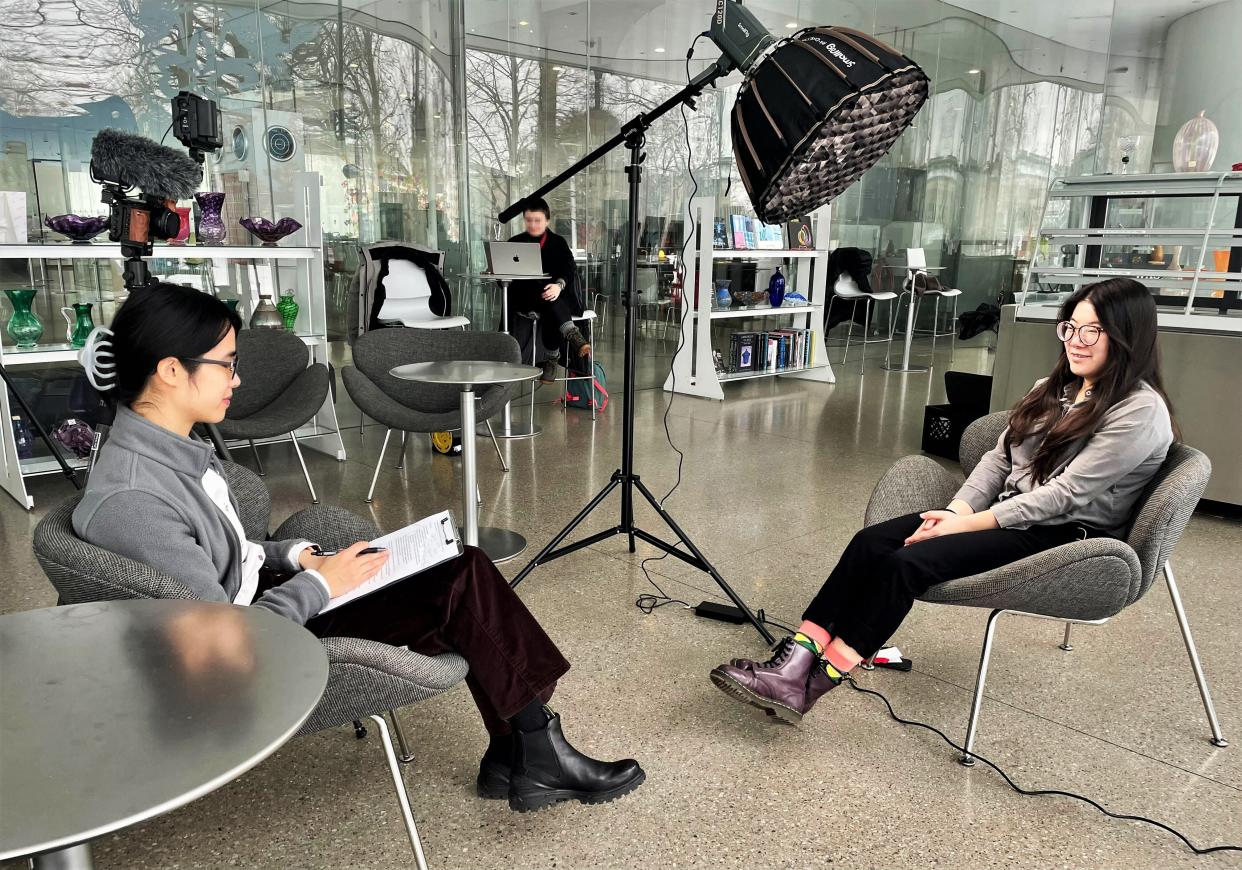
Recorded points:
1088,335
230,364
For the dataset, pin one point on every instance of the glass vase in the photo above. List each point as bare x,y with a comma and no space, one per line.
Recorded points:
288,308
211,228
23,327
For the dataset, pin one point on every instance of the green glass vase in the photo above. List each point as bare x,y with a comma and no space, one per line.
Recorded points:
23,327
288,308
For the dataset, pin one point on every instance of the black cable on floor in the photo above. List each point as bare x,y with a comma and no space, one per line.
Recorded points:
1043,791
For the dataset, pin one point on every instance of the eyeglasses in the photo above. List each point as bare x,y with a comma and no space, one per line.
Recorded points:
230,364
1088,335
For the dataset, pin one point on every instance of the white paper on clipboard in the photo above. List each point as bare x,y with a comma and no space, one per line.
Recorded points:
419,546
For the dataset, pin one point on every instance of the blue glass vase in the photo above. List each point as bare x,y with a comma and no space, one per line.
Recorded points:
723,297
776,288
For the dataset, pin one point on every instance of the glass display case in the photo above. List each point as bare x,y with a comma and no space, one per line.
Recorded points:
52,287
1180,234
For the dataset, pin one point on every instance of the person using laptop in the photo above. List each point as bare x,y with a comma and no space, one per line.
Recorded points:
555,300
158,495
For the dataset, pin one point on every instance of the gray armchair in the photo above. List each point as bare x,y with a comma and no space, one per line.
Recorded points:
365,678
408,406
1085,582
279,392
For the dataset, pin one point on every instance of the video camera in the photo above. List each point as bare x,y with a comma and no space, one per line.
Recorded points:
122,162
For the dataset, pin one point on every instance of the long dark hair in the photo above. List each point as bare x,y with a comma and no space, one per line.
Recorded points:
1127,314
162,321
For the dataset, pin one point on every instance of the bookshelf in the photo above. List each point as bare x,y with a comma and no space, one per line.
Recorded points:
693,371
251,269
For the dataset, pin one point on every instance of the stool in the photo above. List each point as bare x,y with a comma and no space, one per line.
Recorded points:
934,332
586,317
535,343
846,290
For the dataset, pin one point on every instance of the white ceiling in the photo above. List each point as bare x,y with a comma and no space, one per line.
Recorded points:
632,30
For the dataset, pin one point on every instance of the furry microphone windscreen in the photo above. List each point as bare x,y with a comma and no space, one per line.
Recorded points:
137,162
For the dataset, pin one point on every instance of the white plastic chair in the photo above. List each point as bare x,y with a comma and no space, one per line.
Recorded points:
407,298
847,290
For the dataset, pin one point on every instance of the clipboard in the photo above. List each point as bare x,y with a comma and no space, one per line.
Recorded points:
418,547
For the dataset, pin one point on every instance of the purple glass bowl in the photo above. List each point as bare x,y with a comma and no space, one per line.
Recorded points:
80,229
270,233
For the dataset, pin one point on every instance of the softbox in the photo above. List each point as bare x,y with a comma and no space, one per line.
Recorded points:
815,113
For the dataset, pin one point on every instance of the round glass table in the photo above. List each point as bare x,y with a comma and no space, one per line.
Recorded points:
114,712
499,544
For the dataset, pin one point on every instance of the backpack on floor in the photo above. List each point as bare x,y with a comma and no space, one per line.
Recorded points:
580,394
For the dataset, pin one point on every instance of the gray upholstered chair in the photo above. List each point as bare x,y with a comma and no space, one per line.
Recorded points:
279,392
1085,582
408,406
365,678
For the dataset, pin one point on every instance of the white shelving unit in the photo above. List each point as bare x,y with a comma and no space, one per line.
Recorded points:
693,372
297,263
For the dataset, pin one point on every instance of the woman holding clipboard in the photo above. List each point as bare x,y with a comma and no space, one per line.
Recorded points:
158,495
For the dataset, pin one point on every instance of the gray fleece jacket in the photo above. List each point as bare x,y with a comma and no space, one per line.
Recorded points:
145,500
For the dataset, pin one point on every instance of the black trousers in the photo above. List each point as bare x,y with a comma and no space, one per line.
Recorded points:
874,584
526,297
466,606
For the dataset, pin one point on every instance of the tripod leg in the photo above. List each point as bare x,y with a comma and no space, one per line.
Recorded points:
564,533
720,581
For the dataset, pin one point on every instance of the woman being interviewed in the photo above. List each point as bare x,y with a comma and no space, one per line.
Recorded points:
1077,454
158,495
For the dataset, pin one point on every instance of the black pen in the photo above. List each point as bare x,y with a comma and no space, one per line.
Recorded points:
315,551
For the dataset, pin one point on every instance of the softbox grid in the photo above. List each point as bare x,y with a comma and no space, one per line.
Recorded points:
816,113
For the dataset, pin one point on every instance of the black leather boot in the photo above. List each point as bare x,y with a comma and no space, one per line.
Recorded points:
494,772
547,770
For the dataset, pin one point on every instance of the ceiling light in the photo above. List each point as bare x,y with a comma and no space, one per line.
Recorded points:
659,51
792,25
973,72
558,69
523,23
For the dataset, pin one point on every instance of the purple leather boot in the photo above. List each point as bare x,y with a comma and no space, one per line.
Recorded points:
786,685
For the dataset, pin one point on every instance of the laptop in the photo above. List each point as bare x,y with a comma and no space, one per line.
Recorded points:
514,258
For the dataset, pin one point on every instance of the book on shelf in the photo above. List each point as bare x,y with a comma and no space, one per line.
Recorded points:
798,234
737,223
775,351
720,235
770,238
752,238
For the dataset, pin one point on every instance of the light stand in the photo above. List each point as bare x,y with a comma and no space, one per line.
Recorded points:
632,135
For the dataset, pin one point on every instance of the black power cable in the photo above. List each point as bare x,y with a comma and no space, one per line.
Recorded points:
649,602
1043,791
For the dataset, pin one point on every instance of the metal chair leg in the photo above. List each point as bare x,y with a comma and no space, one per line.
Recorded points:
935,325
402,797
305,473
379,463
1218,738
504,466
967,759
850,334
401,459
1065,644
868,664
862,357
257,460
406,756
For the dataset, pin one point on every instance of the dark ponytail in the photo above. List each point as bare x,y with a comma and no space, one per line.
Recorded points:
167,320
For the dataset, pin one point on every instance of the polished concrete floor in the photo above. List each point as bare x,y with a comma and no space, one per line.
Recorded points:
774,482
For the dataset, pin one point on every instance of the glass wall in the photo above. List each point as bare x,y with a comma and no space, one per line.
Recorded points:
425,118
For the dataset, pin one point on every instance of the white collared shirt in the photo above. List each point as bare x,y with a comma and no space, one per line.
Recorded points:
253,556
